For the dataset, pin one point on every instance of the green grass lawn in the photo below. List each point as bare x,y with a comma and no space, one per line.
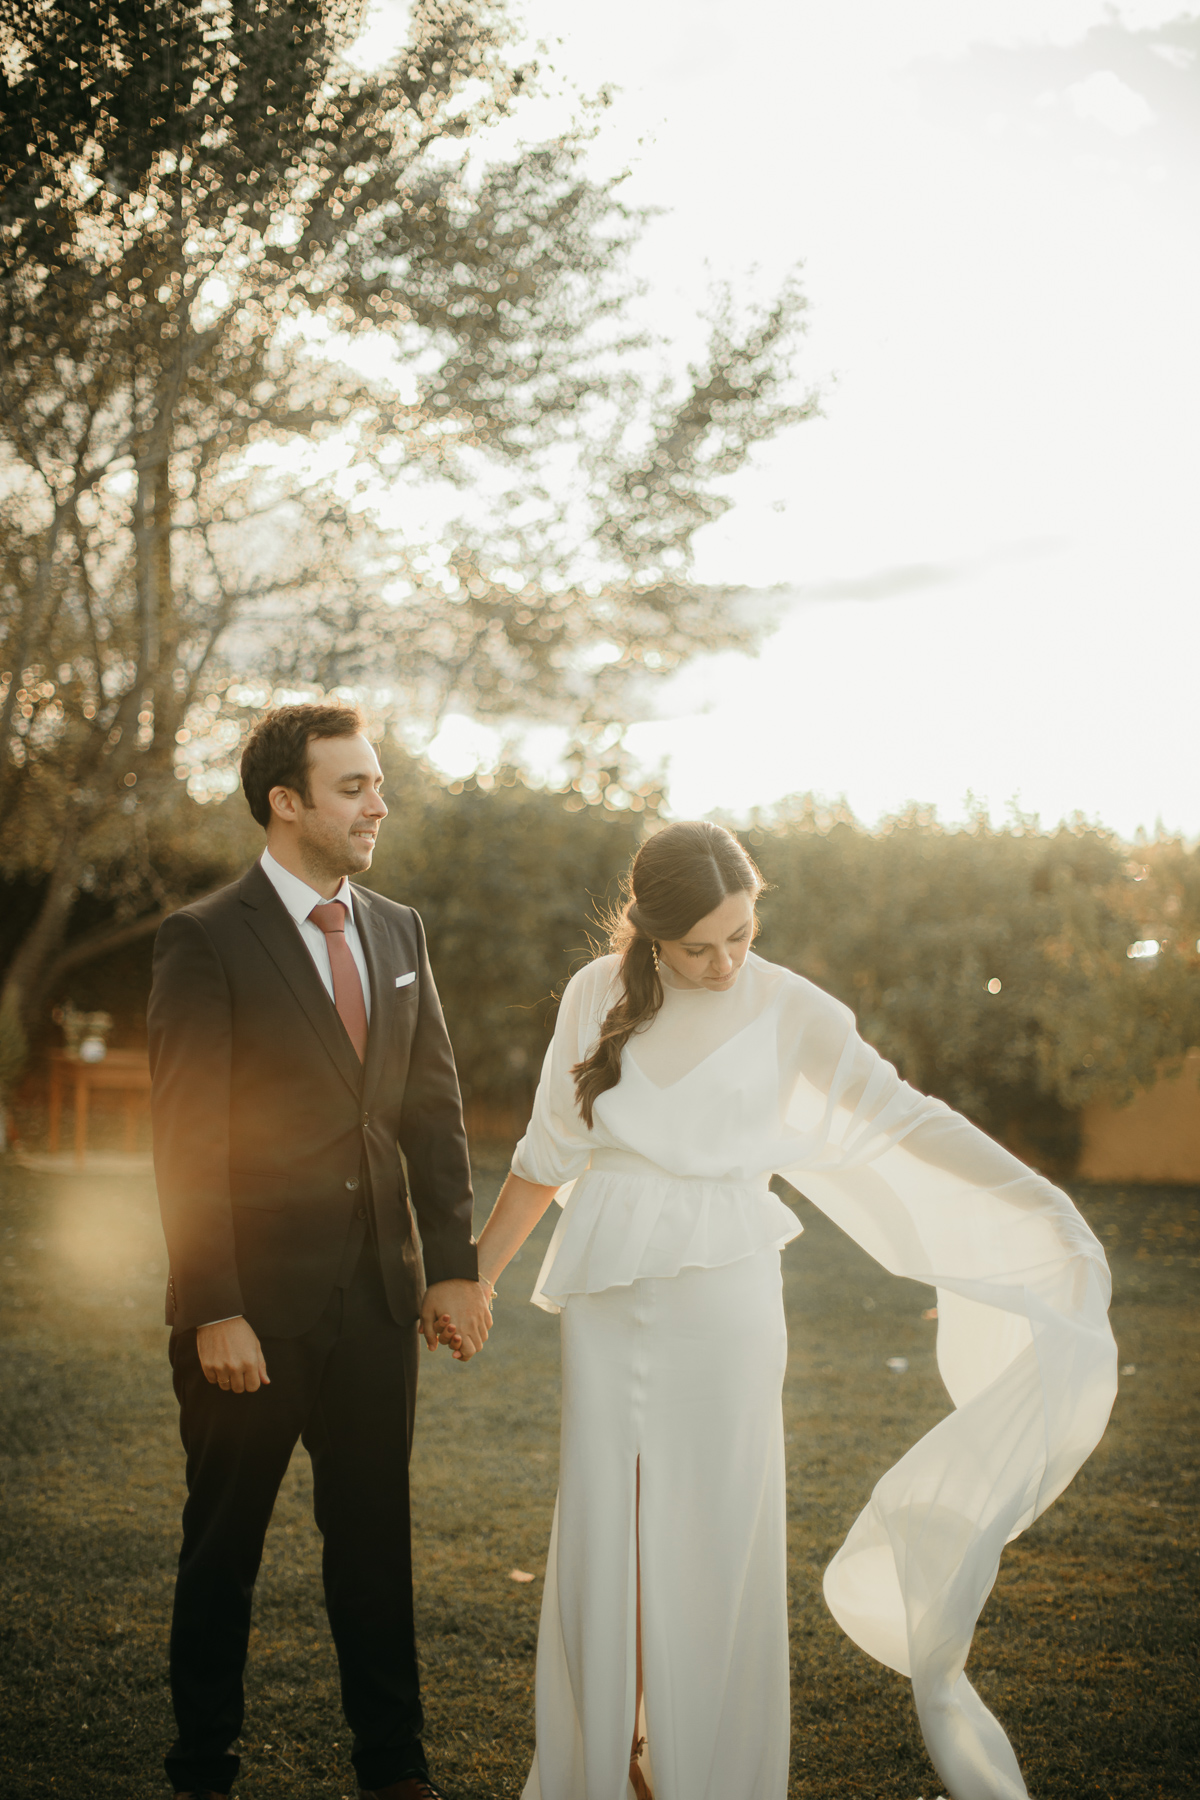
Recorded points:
1087,1650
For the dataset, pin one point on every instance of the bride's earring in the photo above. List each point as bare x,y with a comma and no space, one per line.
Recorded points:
654,954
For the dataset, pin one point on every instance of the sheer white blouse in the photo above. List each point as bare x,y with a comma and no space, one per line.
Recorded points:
722,1091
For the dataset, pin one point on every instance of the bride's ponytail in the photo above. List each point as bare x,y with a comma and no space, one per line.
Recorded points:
679,876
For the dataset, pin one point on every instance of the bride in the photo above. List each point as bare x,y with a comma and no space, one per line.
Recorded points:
683,1073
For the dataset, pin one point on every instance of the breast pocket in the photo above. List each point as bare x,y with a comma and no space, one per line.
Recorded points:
398,1014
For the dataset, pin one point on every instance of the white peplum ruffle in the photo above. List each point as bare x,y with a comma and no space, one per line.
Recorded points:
625,1219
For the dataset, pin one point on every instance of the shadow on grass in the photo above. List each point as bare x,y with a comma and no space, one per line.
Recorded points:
1086,1652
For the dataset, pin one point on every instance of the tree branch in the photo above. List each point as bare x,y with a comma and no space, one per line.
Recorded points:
106,938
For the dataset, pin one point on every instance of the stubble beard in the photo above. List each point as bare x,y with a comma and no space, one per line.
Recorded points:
331,857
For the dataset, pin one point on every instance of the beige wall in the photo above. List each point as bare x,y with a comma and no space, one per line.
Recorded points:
1156,1137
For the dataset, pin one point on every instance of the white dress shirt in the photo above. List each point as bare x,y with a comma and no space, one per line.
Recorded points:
300,899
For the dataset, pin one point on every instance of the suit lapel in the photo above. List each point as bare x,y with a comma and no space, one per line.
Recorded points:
382,967
276,931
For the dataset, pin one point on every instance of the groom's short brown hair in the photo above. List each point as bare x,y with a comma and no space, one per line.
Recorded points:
276,752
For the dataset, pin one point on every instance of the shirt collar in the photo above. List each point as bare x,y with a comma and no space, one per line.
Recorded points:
296,895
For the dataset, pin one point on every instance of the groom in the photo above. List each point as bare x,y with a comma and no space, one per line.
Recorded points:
298,1047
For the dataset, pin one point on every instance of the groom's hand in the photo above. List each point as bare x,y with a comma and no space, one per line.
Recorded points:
464,1304
231,1356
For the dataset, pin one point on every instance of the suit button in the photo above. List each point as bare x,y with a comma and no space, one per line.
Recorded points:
366,1118
352,1185
361,1213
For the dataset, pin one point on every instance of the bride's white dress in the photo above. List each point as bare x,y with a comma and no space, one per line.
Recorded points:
665,1265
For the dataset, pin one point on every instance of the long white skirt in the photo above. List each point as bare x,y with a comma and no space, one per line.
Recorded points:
682,1375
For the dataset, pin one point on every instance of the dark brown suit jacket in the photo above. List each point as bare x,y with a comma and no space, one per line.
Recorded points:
271,1139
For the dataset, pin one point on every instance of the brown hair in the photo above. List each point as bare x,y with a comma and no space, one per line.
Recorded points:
678,877
276,752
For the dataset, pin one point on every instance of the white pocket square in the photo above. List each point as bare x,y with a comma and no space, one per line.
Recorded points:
403,980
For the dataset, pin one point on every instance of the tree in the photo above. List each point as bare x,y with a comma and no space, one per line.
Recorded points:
242,282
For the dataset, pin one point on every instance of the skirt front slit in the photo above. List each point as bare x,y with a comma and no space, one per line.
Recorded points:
684,1374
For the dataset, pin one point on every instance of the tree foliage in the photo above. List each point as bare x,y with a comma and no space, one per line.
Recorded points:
245,288
910,926
993,967
507,883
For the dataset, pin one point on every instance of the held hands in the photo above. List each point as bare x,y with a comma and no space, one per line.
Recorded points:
231,1356
458,1314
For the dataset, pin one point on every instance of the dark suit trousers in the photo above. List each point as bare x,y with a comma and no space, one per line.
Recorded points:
347,1389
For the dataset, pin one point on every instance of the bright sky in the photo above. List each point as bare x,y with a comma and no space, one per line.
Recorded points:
990,538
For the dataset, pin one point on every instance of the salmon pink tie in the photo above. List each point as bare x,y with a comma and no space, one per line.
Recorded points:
347,988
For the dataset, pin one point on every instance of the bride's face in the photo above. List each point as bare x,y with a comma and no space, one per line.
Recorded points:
712,953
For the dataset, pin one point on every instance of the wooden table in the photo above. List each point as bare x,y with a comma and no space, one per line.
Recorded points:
126,1071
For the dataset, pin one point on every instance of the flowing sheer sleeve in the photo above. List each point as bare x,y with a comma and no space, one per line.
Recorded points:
1024,1348
557,1143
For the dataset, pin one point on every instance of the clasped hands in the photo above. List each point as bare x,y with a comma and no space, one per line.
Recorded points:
457,1314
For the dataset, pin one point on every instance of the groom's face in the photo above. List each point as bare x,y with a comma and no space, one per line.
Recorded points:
336,830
